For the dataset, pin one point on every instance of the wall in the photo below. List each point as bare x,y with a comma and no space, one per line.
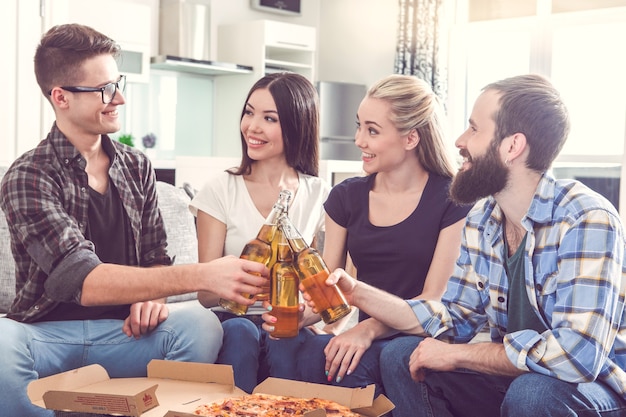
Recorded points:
22,101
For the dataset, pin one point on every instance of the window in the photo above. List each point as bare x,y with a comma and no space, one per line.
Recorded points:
589,70
579,50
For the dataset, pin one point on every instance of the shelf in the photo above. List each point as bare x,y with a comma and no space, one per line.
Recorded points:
274,63
194,66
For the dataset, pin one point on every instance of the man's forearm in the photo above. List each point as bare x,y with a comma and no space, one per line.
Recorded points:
110,284
390,310
487,358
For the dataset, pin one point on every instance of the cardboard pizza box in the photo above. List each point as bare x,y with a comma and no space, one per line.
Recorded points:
169,386
175,389
360,400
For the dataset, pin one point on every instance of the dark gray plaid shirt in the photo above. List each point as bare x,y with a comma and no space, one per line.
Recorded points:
45,198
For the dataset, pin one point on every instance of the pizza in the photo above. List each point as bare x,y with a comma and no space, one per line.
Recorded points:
268,405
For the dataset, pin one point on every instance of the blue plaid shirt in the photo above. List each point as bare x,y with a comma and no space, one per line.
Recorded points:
45,197
575,279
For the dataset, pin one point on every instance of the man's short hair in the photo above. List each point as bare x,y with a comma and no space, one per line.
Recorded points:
530,104
62,51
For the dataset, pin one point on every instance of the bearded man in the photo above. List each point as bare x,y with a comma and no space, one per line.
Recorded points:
541,264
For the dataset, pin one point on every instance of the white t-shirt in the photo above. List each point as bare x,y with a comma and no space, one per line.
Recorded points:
225,197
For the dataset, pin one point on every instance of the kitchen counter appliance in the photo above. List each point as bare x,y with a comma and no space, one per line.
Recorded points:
339,103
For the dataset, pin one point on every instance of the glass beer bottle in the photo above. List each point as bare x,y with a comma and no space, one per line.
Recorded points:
284,294
259,249
329,301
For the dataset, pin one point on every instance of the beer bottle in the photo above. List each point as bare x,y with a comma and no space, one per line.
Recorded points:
284,294
259,249
329,301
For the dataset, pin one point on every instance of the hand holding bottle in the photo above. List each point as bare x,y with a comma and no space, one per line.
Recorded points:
230,277
313,272
270,318
259,250
338,278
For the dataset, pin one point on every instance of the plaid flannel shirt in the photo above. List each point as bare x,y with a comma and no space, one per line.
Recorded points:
45,198
575,279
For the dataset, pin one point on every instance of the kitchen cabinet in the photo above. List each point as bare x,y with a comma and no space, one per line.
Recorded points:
269,46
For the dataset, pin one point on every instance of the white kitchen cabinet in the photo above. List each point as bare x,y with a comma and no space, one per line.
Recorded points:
268,46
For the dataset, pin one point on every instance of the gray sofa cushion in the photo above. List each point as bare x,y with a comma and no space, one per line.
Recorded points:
180,226
7,264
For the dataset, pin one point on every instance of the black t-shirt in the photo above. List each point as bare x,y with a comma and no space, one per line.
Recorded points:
393,258
107,229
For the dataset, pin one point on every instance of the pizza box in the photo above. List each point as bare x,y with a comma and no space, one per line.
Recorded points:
360,400
175,389
169,386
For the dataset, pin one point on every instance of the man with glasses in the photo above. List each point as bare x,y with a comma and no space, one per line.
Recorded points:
89,242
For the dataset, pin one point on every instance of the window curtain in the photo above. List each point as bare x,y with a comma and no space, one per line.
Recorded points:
419,51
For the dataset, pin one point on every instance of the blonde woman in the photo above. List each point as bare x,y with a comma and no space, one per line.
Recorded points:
397,223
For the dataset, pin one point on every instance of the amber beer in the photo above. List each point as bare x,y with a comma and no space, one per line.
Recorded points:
259,249
284,294
329,300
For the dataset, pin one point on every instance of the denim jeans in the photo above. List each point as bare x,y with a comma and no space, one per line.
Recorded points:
311,360
254,355
470,394
37,350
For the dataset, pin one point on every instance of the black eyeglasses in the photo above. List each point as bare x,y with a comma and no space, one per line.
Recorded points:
108,91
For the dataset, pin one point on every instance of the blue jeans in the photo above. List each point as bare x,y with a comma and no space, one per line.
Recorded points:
254,355
37,350
311,360
468,394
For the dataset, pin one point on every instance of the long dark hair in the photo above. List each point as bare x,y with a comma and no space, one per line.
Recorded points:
297,106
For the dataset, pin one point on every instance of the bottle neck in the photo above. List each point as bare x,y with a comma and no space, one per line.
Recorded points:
268,230
295,239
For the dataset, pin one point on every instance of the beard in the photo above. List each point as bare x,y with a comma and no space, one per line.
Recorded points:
486,176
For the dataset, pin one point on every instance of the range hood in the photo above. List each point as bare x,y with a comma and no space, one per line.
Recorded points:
184,35
197,66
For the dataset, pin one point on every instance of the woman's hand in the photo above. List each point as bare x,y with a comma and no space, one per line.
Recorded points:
344,352
270,320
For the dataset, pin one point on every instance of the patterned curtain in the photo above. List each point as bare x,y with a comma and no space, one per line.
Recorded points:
418,49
